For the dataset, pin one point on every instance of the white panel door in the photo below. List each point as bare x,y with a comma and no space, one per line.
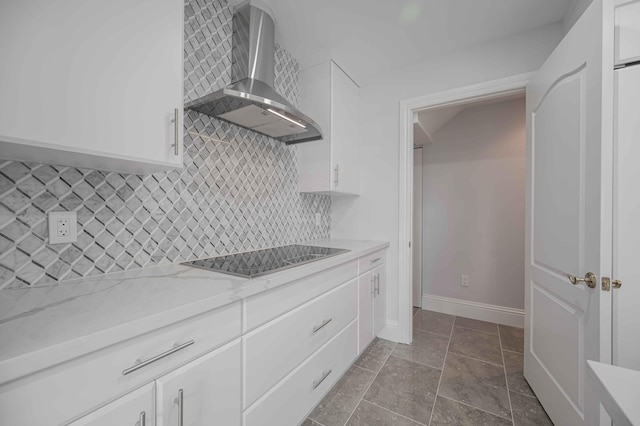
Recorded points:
203,392
134,409
568,231
626,321
365,310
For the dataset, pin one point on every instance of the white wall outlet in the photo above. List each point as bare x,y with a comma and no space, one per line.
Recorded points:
318,219
63,227
464,280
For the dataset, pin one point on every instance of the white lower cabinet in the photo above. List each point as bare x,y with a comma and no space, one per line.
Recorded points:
134,409
365,310
267,360
205,391
372,309
380,298
291,399
275,349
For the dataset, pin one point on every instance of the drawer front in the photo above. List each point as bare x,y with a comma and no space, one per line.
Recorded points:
64,392
371,261
272,351
291,399
261,308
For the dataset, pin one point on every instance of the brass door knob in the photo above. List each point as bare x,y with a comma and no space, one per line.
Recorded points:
589,279
616,283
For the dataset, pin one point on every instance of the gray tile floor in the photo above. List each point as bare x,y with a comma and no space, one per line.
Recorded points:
457,371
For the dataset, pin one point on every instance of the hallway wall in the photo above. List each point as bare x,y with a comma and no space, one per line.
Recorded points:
474,205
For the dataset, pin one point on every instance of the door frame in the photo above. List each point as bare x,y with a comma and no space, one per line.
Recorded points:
461,95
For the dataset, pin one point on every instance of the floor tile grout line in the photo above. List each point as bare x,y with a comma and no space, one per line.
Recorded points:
513,352
420,363
364,368
391,411
506,378
374,379
444,363
474,407
476,330
427,331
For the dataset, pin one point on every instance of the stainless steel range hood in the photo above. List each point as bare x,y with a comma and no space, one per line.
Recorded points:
250,101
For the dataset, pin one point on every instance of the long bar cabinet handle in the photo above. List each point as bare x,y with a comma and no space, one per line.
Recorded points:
140,364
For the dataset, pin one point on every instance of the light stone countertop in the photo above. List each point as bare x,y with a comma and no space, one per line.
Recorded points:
618,389
43,326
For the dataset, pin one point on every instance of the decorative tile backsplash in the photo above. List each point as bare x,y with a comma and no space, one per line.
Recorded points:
231,196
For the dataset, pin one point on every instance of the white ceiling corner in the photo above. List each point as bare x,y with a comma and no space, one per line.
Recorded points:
369,37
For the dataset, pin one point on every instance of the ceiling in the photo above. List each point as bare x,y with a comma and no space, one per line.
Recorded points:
367,37
427,122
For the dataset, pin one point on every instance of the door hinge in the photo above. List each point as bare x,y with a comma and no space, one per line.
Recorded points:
409,244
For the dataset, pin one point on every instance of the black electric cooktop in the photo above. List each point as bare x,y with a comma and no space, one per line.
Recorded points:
261,262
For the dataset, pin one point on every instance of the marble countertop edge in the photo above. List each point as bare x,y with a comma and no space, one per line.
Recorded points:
81,332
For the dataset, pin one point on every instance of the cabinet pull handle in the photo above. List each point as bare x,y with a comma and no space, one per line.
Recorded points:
139,363
318,382
336,178
176,123
377,259
180,402
373,285
378,284
143,420
321,326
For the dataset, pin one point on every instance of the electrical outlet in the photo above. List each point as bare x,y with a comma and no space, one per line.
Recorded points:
318,219
63,227
464,280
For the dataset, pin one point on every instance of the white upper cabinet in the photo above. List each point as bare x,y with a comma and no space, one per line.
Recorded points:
93,84
330,165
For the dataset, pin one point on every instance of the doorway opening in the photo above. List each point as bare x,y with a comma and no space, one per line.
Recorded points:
444,107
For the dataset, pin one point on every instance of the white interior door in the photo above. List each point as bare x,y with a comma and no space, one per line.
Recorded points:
417,227
569,223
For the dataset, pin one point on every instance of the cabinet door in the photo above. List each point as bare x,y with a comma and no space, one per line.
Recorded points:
133,409
344,132
205,391
365,310
92,83
380,300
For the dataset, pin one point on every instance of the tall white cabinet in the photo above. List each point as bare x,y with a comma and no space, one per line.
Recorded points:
330,166
92,84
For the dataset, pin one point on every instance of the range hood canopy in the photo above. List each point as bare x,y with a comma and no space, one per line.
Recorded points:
250,101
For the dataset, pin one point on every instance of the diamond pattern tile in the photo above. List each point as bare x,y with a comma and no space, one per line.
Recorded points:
231,196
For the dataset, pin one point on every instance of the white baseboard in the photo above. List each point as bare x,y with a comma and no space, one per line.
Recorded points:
391,331
474,310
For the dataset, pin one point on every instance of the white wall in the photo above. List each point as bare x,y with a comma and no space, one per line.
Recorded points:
473,206
577,9
374,214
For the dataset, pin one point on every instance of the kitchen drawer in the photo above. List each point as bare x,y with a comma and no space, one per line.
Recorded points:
290,400
73,388
261,308
371,261
275,349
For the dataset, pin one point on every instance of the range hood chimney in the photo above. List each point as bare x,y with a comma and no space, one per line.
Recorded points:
250,101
